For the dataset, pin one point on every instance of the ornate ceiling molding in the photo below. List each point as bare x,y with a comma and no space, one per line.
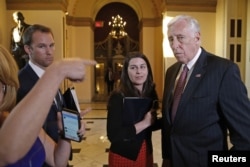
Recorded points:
147,22
79,21
37,5
191,5
159,6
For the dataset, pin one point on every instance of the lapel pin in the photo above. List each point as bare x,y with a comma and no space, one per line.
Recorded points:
198,75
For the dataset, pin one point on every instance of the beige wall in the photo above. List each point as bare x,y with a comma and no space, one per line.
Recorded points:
152,48
226,10
158,69
148,43
207,23
82,47
220,37
3,24
52,19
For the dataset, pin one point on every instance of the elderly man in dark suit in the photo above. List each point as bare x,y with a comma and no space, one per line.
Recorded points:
212,101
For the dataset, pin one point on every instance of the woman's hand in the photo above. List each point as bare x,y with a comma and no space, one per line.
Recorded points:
149,117
147,121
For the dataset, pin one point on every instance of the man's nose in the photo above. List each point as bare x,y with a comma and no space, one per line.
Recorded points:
175,44
49,49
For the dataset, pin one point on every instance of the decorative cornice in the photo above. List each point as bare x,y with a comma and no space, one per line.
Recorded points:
159,6
88,22
191,5
148,22
190,8
79,21
37,5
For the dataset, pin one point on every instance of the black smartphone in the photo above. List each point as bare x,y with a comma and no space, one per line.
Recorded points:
71,124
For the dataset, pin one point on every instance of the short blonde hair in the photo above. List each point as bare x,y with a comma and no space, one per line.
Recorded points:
9,77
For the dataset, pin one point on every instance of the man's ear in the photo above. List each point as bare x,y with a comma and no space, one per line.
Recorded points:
27,49
197,36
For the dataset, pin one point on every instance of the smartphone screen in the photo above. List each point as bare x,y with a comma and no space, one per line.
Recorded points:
71,124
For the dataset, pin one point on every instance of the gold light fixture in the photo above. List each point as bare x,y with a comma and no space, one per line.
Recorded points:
118,25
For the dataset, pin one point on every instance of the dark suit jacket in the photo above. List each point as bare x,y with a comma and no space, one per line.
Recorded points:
215,99
28,78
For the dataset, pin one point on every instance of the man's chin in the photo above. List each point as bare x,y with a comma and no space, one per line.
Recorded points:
49,63
181,59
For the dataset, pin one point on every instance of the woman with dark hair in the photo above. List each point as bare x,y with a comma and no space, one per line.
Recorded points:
131,143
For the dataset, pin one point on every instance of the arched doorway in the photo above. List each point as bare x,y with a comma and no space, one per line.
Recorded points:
109,52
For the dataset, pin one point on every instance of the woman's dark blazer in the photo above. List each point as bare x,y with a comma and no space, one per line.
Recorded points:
124,140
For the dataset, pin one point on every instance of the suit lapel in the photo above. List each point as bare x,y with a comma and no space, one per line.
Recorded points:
194,80
169,87
32,73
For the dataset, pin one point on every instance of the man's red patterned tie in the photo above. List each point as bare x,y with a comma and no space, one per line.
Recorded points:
178,91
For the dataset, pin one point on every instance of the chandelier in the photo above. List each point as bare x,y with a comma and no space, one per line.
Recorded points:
118,25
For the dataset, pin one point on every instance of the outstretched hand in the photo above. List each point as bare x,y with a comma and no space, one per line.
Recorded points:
73,69
77,72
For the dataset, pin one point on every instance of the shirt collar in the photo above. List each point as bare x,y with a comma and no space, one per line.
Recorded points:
191,63
39,71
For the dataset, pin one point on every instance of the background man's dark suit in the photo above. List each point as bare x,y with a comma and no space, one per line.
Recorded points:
28,78
214,99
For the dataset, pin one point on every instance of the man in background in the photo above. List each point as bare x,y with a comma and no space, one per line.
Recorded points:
39,44
109,79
